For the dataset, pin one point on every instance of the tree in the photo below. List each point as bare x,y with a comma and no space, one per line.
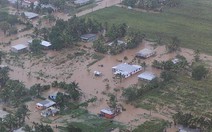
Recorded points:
130,94
174,46
42,128
167,76
21,114
10,122
199,72
35,46
72,128
197,55
99,46
4,26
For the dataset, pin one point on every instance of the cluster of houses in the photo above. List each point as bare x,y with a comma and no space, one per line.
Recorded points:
47,108
19,48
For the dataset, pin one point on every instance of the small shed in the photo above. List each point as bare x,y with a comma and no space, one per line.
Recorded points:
30,15
145,53
45,104
148,76
175,61
3,114
18,48
81,2
108,113
45,43
49,111
88,37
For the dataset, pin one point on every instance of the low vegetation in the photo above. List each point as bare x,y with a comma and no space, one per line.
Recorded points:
183,22
152,126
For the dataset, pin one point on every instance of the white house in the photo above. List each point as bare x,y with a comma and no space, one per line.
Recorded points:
126,70
44,43
146,76
18,48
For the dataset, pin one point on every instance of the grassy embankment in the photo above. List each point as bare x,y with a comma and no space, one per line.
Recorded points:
190,22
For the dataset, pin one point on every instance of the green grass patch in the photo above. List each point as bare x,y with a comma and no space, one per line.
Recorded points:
152,126
191,23
184,94
92,123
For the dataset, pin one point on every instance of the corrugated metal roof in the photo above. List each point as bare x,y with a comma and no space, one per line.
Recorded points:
147,76
125,68
19,47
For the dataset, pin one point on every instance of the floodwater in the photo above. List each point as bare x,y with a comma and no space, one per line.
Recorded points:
54,65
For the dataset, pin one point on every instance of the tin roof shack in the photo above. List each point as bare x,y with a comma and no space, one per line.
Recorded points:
49,111
107,113
45,104
19,48
30,15
44,44
126,70
3,114
147,76
81,2
145,53
88,37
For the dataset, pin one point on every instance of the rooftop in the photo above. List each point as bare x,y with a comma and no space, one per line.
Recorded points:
147,76
81,1
87,36
19,47
45,43
125,68
108,111
3,113
46,103
146,51
30,15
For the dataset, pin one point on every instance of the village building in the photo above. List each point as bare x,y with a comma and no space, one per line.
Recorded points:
27,3
119,42
45,104
126,70
145,53
43,43
88,37
30,15
49,111
3,114
107,113
147,76
18,48
81,2
175,61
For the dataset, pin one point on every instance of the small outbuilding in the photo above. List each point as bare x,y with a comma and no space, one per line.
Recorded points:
145,53
88,37
49,111
108,113
30,15
126,70
148,76
19,48
45,104
175,61
81,2
3,114
43,43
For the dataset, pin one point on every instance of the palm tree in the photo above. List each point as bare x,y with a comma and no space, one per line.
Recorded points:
10,122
